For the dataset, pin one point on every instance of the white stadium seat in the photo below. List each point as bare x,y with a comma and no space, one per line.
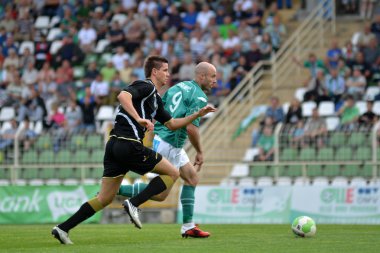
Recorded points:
307,108
376,107
7,113
250,154
42,22
300,93
26,44
326,108
120,18
372,92
358,181
339,181
106,112
53,34
320,181
264,181
102,44
362,106
54,21
228,182
284,181
285,107
246,181
301,181
55,46
240,170
332,123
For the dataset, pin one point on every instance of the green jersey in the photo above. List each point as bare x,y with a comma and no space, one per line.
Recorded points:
181,100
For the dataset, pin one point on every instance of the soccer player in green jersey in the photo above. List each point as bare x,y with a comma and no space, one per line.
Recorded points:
181,100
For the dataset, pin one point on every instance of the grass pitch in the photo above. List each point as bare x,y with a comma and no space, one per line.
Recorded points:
165,238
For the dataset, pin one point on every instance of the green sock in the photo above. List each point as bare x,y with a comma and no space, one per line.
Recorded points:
187,201
131,190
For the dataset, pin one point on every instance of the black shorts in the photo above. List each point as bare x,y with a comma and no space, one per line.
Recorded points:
123,155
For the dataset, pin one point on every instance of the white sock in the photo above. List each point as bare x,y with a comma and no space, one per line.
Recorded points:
189,225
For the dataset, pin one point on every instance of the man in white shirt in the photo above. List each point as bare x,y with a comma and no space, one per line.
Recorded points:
119,58
87,37
99,89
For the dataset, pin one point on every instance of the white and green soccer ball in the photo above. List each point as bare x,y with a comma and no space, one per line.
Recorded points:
304,226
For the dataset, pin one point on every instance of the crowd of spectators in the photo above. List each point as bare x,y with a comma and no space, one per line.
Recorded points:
56,74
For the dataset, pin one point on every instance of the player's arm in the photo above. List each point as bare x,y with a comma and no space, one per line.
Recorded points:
125,99
195,140
174,124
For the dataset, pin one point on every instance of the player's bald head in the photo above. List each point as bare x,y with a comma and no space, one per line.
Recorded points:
203,68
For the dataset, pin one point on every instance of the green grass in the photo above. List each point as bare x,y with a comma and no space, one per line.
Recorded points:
165,238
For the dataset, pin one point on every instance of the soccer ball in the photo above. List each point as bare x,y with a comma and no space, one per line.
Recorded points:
304,226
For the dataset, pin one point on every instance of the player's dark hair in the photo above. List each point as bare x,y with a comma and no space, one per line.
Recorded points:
153,62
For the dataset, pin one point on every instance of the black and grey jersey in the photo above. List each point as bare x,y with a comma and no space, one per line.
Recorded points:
148,105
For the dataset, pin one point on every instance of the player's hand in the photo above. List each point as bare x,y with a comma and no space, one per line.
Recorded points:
208,108
198,161
146,124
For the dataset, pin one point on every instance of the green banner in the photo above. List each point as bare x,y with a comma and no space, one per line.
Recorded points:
43,204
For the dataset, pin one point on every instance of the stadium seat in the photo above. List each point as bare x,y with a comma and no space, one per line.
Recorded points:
227,182
5,173
81,156
376,107
120,18
246,181
258,170
77,141
47,173
250,154
325,154
5,126
55,46
362,106
332,170
285,107
4,182
326,108
97,156
101,46
63,156
307,108
300,93
240,170
368,171
358,181
282,170
351,170
307,154
42,22
44,142
357,139
104,58
54,21
338,139
7,113
332,123
371,92
46,156
363,154
320,181
264,181
288,154
284,181
314,170
301,181
2,158
29,157
79,72
26,44
105,113
38,127
294,171
29,173
343,154
339,181
54,34
94,142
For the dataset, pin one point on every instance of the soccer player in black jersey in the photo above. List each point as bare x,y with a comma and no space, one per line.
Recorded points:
139,105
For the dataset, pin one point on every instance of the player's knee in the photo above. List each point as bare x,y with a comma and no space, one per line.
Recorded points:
174,174
193,181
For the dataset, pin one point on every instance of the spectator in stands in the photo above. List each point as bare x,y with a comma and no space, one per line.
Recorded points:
366,8
108,72
316,90
254,16
126,72
175,66
99,23
119,58
157,22
356,84
204,16
371,52
8,22
48,89
64,73
46,72
226,27
361,64
187,69
298,135
312,63
220,91
277,32
88,106
315,130
275,110
349,115
41,52
27,135
65,4
333,54
363,38
26,58
368,119
83,9
12,59
147,6
349,6
73,117
335,85
294,114
266,146
151,43
190,18
272,12
116,35
288,3
349,52
56,124
343,69
25,28
87,37
15,91
8,136
116,86
100,90
30,74
254,55
225,68
375,26
33,108
91,72
239,71
69,51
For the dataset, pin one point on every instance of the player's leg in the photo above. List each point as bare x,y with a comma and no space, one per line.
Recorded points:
189,174
108,190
